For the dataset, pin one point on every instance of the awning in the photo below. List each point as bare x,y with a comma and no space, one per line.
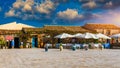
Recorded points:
9,37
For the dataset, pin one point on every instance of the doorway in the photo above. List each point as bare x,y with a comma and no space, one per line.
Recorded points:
34,42
16,42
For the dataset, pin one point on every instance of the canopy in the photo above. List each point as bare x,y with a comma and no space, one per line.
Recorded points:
14,26
63,35
88,36
116,36
99,35
9,37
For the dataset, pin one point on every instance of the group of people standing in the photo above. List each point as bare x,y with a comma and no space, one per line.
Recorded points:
61,47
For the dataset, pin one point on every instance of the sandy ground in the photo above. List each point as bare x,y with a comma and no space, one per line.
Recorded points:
38,58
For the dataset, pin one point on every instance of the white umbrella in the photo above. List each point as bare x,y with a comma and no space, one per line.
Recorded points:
99,35
115,36
77,35
63,35
88,36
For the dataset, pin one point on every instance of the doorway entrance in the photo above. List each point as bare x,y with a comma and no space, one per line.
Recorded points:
34,42
17,42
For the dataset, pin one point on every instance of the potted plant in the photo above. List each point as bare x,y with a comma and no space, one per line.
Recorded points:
61,47
21,45
3,44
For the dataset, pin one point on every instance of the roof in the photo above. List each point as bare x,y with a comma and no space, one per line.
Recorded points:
100,26
32,30
4,32
14,26
66,28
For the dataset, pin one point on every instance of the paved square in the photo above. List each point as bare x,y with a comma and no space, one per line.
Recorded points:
38,58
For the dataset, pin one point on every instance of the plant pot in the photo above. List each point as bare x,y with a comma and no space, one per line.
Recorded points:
61,48
12,47
27,46
21,46
3,47
6,47
38,46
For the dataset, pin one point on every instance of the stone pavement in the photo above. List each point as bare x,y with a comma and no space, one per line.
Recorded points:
38,58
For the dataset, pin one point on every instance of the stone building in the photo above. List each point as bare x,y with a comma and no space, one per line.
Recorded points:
37,36
107,29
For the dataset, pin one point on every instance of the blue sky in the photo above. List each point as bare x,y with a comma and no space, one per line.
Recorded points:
60,12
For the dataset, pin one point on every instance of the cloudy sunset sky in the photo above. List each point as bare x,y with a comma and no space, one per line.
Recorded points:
60,12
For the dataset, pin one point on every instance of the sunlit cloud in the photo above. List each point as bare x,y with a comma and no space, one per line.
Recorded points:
10,13
68,14
45,7
30,9
90,5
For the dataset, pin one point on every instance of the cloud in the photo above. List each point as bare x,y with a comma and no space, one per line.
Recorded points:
18,4
109,3
73,15
90,5
30,9
10,13
100,4
45,7
69,14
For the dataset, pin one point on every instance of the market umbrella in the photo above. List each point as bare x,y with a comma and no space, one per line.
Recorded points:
63,35
99,35
76,38
77,35
9,37
88,36
116,36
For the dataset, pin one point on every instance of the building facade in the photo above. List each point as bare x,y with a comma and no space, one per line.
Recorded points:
107,29
37,37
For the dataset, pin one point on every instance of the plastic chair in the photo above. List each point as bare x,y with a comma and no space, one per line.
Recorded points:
106,45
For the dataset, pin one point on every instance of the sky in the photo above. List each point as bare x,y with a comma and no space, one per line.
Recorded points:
60,12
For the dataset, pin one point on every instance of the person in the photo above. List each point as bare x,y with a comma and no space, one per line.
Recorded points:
12,44
46,48
61,47
73,47
86,47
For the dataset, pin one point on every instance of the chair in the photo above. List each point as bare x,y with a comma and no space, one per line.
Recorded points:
57,45
68,45
77,46
64,45
107,45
